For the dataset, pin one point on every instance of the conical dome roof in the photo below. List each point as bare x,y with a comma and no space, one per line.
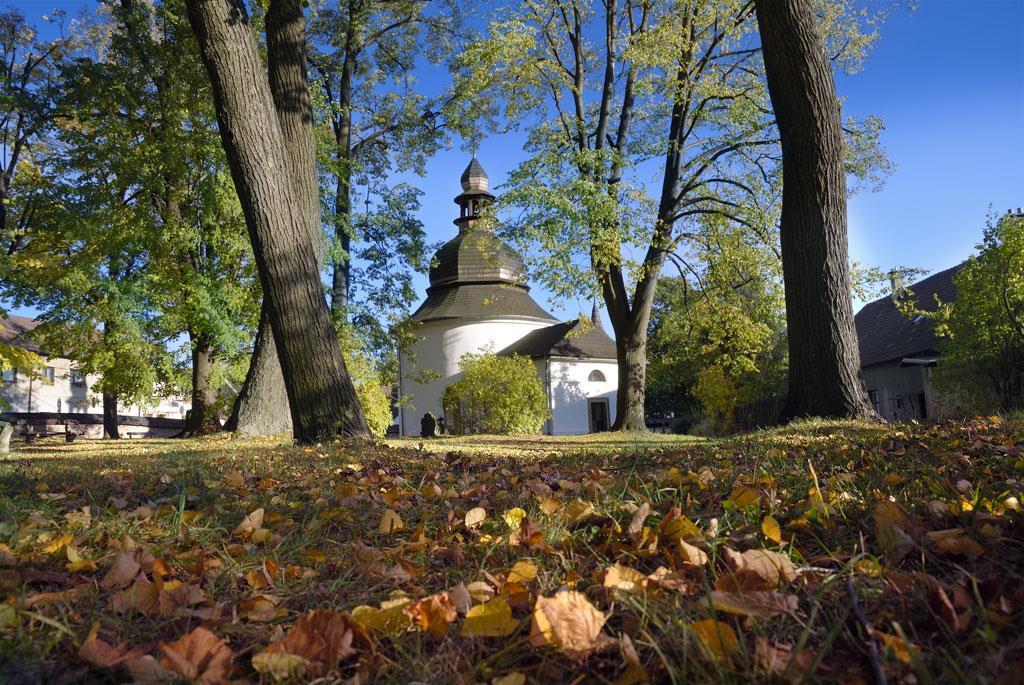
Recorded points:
475,274
476,255
474,178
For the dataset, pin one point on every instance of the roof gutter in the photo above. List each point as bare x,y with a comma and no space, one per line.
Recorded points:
918,361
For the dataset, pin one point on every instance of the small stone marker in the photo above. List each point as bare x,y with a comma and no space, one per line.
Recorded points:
6,431
428,426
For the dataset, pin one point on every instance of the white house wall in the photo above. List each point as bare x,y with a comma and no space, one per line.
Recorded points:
38,395
26,394
571,390
441,344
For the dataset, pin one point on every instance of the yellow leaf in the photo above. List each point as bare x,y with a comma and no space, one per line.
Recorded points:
390,522
624,578
579,511
690,555
390,619
718,638
513,517
475,517
901,649
261,535
522,572
57,544
515,678
568,622
772,531
250,524
279,665
680,528
491,619
480,591
743,496
549,505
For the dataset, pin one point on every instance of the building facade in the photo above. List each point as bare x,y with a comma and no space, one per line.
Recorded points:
59,387
479,300
898,353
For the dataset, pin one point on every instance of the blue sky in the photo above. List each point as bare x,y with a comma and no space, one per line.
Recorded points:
947,79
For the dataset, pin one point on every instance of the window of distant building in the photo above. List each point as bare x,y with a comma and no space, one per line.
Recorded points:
596,377
873,398
10,375
48,374
78,379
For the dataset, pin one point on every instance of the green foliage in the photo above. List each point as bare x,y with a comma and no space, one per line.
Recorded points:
375,118
671,87
496,394
982,331
136,237
374,401
717,336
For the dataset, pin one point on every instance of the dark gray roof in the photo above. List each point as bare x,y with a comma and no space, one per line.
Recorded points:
14,330
562,340
479,301
884,334
475,255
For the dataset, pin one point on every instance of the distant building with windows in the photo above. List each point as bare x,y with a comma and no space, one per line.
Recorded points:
479,300
59,387
898,353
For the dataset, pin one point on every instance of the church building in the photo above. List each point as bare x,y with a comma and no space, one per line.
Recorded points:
478,300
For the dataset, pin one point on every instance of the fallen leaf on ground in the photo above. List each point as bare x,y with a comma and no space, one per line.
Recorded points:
318,642
568,622
390,521
756,604
490,619
200,657
755,569
433,614
718,638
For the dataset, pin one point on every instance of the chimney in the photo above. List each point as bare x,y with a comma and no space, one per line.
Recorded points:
1016,212
896,286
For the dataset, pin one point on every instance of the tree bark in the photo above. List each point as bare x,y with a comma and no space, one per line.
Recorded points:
322,399
261,407
824,361
341,282
200,418
110,416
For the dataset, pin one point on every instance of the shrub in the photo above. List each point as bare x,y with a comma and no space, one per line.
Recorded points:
375,403
496,394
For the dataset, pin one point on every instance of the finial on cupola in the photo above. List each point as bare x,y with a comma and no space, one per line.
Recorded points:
474,178
596,316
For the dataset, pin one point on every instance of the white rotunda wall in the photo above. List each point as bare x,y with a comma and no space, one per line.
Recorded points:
440,346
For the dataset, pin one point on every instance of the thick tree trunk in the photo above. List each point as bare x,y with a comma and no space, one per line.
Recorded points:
630,399
200,418
261,407
262,404
110,416
824,362
321,396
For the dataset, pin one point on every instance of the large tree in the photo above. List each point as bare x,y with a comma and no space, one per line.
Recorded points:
824,361
257,139
615,93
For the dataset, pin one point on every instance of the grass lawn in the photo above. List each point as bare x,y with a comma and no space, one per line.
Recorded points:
544,445
819,552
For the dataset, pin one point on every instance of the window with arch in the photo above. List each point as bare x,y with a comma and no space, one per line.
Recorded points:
596,377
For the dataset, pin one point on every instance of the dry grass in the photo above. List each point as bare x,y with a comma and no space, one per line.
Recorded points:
183,499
